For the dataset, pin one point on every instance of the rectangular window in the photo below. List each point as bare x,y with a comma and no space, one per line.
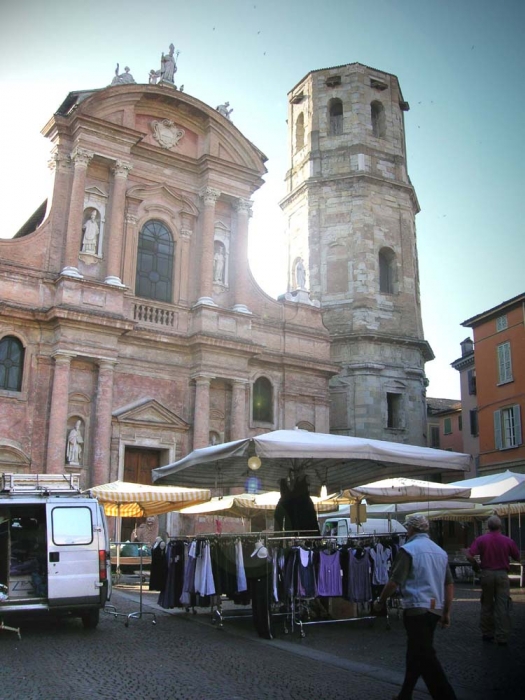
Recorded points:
504,363
72,525
460,423
471,377
507,427
447,426
434,436
393,410
474,430
501,323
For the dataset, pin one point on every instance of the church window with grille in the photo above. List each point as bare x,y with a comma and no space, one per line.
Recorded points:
154,278
262,409
11,363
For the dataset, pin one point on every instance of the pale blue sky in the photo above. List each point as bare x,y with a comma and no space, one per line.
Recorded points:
460,64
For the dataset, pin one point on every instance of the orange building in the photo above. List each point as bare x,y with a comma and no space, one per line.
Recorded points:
499,356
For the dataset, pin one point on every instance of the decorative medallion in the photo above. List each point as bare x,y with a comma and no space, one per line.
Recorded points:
166,133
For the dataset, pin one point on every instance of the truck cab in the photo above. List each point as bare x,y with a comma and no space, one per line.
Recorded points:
54,548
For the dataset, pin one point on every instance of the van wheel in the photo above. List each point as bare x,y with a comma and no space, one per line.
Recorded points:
90,619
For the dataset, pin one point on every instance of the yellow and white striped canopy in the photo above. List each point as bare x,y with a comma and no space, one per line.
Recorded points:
248,504
128,500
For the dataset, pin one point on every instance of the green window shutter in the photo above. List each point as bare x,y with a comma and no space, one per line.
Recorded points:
497,430
517,423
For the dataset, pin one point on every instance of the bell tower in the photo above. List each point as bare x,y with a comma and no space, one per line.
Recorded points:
350,210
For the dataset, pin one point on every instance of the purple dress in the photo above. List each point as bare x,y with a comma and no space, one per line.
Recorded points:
330,582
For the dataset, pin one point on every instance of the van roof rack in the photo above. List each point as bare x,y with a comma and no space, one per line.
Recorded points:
43,484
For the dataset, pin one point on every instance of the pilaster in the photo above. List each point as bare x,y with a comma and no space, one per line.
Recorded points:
81,159
209,197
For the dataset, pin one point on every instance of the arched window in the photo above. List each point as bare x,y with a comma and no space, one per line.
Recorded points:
155,262
387,261
335,111
11,363
263,400
299,132
377,112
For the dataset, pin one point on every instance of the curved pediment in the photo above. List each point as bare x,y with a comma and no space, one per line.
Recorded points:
145,109
162,191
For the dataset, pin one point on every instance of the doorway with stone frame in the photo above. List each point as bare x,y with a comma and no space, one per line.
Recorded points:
138,463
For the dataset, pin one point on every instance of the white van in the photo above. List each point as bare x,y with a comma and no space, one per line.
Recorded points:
54,548
343,528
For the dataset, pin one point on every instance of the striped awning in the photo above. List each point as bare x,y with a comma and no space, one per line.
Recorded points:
246,505
128,500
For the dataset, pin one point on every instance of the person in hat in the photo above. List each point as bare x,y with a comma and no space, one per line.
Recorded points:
422,573
494,550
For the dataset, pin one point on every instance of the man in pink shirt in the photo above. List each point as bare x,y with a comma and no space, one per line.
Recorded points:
494,550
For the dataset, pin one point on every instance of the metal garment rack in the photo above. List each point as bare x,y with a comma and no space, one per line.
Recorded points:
138,614
329,539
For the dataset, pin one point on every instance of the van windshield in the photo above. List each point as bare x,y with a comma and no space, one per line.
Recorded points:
72,525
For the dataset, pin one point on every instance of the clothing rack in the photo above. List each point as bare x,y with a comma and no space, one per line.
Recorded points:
138,614
295,620
294,605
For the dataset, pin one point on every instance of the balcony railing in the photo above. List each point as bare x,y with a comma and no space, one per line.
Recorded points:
154,315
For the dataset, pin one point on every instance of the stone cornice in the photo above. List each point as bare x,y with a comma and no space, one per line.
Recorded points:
420,343
313,182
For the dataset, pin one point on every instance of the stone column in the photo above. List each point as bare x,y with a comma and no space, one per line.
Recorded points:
238,417
201,418
116,223
56,445
243,208
81,159
102,435
209,197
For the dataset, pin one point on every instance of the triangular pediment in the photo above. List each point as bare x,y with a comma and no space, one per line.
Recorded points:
150,412
163,191
96,191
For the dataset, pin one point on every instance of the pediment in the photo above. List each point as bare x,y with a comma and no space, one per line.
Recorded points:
96,192
163,191
150,412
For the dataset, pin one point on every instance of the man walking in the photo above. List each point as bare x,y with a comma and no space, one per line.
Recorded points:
494,550
422,573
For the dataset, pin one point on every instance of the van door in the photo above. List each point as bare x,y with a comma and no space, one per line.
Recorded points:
73,564
104,544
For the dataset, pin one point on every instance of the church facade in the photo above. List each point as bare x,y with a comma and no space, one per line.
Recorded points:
131,328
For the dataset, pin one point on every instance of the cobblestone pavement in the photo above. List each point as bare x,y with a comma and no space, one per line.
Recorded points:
185,657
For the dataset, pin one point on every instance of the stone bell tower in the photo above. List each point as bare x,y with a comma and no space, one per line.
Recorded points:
350,209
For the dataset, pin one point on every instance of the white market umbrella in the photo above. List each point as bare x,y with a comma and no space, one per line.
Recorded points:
336,461
246,504
491,486
404,490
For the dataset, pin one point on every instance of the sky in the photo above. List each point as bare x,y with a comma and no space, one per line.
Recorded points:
460,64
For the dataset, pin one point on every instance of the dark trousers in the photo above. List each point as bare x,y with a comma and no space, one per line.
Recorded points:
421,659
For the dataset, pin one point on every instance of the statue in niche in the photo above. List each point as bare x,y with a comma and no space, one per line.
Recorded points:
168,65
218,263
147,531
223,109
91,233
123,78
300,274
75,442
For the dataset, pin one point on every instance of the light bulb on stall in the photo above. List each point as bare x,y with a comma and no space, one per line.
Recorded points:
254,463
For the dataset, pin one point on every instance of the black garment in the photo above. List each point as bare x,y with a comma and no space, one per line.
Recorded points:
295,510
282,519
159,567
421,659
